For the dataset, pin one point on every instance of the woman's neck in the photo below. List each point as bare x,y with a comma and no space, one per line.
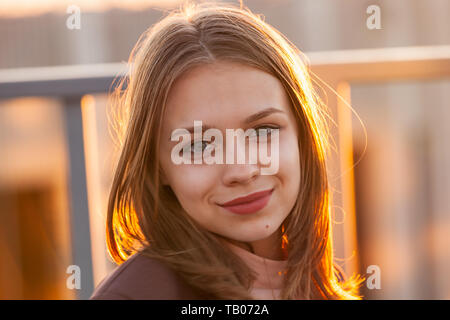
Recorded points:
269,248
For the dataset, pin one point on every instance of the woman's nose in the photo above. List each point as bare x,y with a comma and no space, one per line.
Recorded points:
241,165
240,173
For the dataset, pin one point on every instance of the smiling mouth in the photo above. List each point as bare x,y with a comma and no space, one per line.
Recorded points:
248,204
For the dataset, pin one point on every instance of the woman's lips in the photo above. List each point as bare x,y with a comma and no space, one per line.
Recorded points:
249,204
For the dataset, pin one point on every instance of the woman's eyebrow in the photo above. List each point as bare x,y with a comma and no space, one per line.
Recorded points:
261,114
254,117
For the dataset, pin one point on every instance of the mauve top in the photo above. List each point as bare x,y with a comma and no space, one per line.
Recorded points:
270,273
143,278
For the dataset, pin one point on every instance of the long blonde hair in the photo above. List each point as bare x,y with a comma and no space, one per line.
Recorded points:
143,215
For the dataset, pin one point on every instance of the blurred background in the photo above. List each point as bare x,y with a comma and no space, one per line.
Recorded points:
390,169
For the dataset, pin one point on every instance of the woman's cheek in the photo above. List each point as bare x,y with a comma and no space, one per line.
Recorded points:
289,160
193,182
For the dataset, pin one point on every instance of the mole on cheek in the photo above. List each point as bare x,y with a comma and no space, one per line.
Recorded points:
267,226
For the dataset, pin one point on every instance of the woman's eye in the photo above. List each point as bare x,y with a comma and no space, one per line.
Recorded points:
266,130
197,147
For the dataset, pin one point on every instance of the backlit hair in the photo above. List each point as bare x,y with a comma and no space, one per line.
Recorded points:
143,215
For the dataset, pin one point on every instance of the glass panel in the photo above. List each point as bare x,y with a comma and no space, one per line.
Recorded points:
34,216
402,187
100,159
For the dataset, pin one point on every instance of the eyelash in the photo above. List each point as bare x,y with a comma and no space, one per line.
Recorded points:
271,127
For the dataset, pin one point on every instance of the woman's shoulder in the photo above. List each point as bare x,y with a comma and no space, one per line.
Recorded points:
143,278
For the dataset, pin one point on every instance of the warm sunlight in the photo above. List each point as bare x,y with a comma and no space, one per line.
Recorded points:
122,122
17,8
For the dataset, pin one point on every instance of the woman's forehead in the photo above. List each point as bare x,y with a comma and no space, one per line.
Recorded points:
223,92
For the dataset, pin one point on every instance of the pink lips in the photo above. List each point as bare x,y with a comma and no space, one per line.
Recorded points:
248,204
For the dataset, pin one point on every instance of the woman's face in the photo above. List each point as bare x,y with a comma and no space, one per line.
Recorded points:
225,95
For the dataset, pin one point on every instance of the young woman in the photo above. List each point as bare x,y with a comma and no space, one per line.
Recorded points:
223,230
